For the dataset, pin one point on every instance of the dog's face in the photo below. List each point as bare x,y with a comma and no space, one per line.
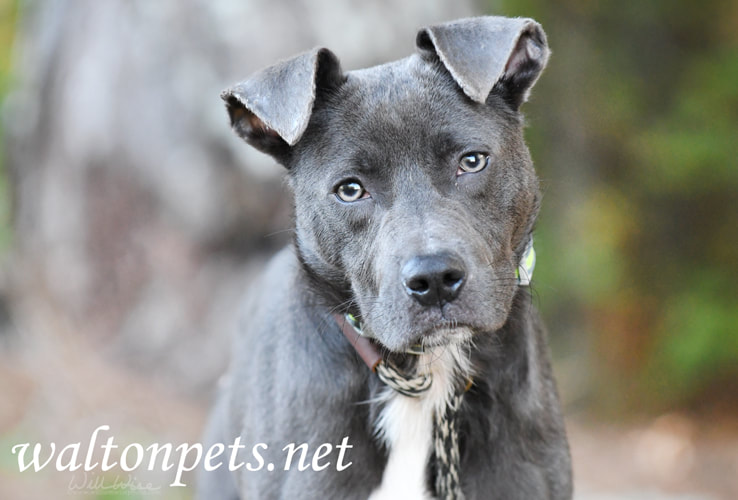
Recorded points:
398,165
414,192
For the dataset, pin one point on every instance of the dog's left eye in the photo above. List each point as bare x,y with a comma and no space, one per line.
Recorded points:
472,162
351,191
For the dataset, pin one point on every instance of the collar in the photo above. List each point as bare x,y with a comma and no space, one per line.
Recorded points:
366,348
364,342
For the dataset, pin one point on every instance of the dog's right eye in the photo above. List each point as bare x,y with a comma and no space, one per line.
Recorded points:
350,191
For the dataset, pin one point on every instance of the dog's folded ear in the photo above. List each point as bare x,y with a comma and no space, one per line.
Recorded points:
272,108
489,53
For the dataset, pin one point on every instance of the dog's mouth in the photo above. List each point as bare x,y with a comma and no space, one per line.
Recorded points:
398,322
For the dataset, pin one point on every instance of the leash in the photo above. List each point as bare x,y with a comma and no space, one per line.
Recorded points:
446,448
446,457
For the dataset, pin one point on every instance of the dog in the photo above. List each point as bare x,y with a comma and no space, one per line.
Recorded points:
415,200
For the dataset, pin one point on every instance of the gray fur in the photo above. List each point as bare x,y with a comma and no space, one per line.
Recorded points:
400,129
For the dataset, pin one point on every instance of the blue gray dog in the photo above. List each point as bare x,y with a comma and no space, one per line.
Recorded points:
415,201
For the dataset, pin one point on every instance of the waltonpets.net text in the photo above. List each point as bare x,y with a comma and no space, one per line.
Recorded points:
165,456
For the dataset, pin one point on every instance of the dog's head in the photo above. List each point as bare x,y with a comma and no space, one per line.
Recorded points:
415,194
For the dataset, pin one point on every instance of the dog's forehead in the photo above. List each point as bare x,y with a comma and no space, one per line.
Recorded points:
404,115
397,107
408,86
403,73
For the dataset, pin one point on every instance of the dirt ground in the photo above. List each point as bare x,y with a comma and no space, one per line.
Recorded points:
667,457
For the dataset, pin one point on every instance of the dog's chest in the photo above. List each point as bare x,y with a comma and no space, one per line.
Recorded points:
406,427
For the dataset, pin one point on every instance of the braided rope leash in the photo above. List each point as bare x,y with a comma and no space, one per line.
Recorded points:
446,448
412,387
445,432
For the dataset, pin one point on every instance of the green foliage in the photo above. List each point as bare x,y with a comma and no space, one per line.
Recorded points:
692,148
118,495
698,333
638,239
8,22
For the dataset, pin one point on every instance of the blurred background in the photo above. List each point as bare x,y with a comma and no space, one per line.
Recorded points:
131,219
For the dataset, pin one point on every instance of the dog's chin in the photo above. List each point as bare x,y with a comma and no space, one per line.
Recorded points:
436,337
433,337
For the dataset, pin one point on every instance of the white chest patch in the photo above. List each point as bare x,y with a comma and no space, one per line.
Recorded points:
406,425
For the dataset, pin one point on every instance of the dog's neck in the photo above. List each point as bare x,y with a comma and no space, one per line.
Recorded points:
326,287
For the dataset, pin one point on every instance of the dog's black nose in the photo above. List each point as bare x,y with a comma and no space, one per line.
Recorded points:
434,279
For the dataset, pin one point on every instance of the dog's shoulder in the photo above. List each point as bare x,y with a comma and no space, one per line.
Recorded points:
266,304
